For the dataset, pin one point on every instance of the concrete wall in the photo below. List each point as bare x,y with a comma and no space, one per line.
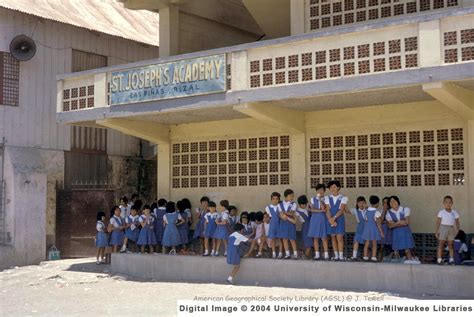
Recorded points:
414,280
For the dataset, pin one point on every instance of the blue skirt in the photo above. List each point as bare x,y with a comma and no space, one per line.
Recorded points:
222,232
146,237
273,228
233,254
210,229
184,233
359,233
199,229
371,232
307,241
101,240
171,237
339,229
116,237
402,238
287,230
158,230
132,235
387,232
317,225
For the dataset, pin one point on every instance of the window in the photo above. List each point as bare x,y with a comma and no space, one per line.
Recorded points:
9,79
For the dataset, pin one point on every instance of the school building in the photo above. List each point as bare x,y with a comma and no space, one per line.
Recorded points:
55,177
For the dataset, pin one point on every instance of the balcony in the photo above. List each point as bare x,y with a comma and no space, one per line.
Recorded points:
385,61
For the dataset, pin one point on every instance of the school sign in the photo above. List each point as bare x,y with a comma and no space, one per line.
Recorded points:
191,77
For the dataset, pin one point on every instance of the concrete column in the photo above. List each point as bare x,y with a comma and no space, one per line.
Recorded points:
169,31
297,16
59,96
429,35
100,90
298,166
164,170
468,215
239,71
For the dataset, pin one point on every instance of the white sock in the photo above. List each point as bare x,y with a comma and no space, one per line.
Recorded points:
354,254
326,255
374,258
287,253
341,255
451,259
336,256
274,254
317,255
230,278
295,253
213,252
439,260
366,258
206,252
280,255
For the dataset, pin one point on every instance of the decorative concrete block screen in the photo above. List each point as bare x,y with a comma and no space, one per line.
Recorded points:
333,58
231,162
80,97
458,46
321,14
413,158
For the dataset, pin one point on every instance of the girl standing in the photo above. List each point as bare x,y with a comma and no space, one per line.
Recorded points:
359,213
159,226
272,211
372,229
183,228
131,233
101,237
305,217
210,229
116,226
317,225
199,229
171,236
398,219
287,229
335,209
147,233
221,234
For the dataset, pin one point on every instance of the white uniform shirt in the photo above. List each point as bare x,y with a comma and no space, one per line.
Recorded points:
286,205
165,219
304,211
335,198
405,210
354,212
131,220
143,219
224,215
100,226
115,221
125,210
448,218
378,214
239,238
267,209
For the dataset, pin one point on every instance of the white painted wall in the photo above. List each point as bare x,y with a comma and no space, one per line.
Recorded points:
33,123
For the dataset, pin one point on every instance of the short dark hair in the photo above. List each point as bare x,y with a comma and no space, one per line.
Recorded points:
259,216
146,207
224,203
134,208
134,196
112,211
448,197
374,200
124,199
139,203
186,203
244,214
252,216
100,214
170,207
238,227
394,198
205,198
319,186
288,192
154,206
181,206
231,207
334,182
275,194
211,204
302,200
162,202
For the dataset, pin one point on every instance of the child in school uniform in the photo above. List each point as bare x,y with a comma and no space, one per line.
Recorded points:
172,219
101,237
305,217
146,237
398,218
236,239
210,229
386,241
359,213
447,227
272,211
267,244
125,207
222,233
462,254
259,235
232,218
372,229
132,231
287,229
317,225
115,228
201,221
336,225
159,227
183,228
187,209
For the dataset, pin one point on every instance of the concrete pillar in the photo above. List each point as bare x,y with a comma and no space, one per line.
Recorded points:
429,35
163,170
100,90
298,162
297,16
169,31
467,217
239,71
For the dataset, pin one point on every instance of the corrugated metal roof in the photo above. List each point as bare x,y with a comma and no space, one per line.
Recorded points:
105,16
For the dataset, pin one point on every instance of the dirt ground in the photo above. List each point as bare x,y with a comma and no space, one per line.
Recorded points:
79,287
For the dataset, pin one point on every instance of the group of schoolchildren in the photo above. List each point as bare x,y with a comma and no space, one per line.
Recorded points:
380,225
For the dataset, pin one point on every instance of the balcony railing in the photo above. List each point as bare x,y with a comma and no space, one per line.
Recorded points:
442,40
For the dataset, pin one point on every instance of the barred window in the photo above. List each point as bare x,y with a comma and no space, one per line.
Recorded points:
9,79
